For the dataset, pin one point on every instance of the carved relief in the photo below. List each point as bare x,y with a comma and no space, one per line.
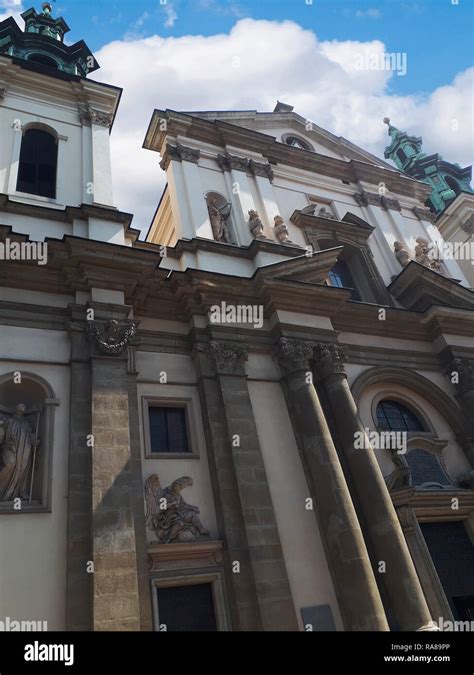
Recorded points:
168,515
281,230
255,225
228,162
112,337
365,198
324,213
19,443
465,371
293,354
229,357
90,116
424,214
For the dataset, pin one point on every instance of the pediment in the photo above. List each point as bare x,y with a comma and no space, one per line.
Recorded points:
417,288
307,268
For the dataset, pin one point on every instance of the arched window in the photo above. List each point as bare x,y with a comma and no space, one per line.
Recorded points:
453,184
44,60
38,164
297,142
395,416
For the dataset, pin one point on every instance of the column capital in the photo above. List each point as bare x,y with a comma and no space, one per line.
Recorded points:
180,153
465,371
292,354
330,358
229,356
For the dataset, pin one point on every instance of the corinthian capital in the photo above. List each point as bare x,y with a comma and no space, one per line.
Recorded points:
293,354
330,358
461,374
229,357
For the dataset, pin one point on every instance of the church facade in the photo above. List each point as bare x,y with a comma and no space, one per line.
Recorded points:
261,416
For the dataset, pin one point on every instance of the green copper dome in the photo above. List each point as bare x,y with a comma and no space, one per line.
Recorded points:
446,179
41,44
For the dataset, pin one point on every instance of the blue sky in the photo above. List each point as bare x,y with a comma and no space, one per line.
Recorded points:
437,35
180,54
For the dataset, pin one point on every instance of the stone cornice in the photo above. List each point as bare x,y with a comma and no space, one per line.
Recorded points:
322,228
366,198
179,153
224,134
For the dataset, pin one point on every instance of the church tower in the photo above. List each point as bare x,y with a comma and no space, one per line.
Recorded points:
446,179
55,122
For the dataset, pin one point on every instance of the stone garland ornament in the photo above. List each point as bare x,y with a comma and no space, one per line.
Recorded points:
111,337
281,230
255,225
167,514
19,443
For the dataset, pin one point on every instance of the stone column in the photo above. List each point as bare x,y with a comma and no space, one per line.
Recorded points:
243,603
266,555
356,589
79,532
115,580
383,527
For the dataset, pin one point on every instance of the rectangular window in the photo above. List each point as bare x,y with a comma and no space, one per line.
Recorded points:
168,430
187,608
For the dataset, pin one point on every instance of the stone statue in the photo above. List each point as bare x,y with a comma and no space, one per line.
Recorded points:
424,254
401,253
218,216
324,213
168,515
400,476
18,443
281,230
255,225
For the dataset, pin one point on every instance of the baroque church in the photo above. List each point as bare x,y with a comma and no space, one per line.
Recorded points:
261,416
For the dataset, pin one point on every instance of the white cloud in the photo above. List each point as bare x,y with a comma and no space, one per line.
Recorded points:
251,67
12,8
171,15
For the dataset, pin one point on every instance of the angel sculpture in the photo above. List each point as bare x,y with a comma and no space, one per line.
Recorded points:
168,515
18,443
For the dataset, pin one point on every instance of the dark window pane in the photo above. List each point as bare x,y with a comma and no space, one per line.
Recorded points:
168,431
38,164
397,417
187,608
341,277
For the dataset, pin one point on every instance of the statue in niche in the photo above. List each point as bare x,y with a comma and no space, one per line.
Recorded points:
218,215
281,230
168,515
18,444
255,225
401,253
